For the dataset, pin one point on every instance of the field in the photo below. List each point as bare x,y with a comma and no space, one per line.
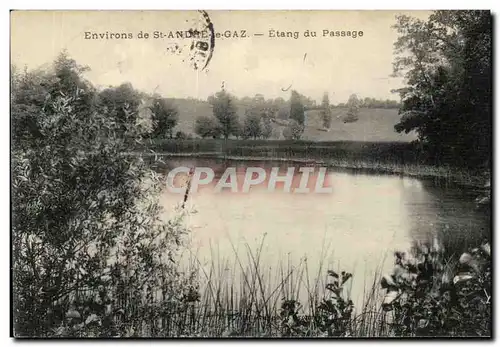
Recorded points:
373,124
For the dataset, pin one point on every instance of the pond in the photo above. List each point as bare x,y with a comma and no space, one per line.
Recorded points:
356,227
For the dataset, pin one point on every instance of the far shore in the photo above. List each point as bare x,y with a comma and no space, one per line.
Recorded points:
448,174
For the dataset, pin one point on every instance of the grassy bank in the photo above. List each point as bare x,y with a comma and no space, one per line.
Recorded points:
425,295
401,158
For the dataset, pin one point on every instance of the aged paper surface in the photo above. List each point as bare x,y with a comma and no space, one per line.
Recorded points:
251,173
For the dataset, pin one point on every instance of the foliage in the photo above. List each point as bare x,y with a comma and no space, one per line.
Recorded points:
87,228
121,104
293,131
206,126
34,91
326,113
267,128
224,110
307,101
252,126
333,316
284,112
430,297
353,105
335,312
446,62
164,117
376,103
180,135
65,79
297,111
92,255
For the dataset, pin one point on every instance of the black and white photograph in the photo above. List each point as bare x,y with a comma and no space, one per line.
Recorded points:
236,174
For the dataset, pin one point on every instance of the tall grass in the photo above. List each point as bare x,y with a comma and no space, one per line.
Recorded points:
245,297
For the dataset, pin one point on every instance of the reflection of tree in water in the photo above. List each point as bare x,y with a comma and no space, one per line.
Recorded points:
448,211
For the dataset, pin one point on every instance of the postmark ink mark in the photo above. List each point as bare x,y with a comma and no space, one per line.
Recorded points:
210,28
196,43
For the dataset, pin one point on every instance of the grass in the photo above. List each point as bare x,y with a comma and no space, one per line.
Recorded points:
244,297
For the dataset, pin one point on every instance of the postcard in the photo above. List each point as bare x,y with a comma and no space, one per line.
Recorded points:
251,174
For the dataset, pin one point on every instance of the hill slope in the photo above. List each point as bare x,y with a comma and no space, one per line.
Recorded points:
373,124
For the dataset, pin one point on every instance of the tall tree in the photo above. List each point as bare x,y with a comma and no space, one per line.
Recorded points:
164,116
297,111
284,112
446,62
326,113
267,128
122,104
68,81
293,131
224,110
252,126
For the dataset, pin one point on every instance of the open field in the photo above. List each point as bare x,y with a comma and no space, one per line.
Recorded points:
373,125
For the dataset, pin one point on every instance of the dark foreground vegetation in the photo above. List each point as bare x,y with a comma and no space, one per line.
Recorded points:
95,256
427,294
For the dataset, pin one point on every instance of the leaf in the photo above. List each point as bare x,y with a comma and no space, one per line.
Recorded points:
345,276
333,274
388,282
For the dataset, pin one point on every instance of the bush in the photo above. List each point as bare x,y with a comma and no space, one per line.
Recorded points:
164,117
206,126
89,242
431,297
333,316
180,135
293,131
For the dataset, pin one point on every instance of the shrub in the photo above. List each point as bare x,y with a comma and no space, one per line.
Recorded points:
333,316
293,131
89,243
431,297
180,135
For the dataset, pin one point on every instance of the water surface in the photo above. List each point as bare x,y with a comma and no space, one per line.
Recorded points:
355,228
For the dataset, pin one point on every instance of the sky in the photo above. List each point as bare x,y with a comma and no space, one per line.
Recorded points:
339,66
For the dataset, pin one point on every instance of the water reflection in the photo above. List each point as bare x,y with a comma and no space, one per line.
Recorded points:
356,228
448,211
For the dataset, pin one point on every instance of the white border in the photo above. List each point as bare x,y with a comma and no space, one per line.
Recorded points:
185,4
256,4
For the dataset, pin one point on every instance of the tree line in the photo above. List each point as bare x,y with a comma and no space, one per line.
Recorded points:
373,103
260,114
127,107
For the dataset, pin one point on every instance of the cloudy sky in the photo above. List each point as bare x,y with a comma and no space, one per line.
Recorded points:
247,66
